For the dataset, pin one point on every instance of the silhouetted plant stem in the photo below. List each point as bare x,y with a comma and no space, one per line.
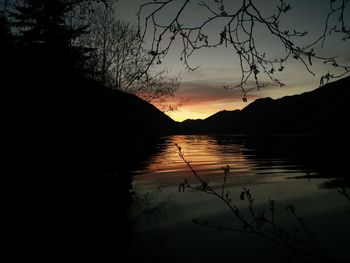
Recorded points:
257,223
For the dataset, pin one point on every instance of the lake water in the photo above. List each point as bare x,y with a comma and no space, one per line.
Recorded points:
295,171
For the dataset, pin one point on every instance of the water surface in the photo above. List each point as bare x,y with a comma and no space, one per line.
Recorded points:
289,170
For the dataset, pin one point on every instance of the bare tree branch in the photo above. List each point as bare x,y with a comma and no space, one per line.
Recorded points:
237,32
121,63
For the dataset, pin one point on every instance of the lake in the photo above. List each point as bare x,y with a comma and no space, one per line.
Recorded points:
295,171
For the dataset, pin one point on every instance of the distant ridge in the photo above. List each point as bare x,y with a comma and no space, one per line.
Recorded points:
324,110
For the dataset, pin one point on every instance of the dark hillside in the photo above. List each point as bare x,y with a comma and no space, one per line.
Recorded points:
322,111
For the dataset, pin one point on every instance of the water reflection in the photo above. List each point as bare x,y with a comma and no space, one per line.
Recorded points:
271,167
208,154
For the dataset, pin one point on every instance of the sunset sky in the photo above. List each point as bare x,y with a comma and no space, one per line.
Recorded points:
202,90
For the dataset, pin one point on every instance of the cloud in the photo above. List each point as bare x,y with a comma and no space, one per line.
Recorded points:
204,99
202,92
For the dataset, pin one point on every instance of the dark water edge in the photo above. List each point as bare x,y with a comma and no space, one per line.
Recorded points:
91,201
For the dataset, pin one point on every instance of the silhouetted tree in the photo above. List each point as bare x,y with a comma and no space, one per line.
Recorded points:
5,32
6,41
41,26
119,61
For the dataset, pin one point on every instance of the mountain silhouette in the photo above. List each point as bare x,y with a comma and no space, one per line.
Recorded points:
127,126
131,115
109,135
324,110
